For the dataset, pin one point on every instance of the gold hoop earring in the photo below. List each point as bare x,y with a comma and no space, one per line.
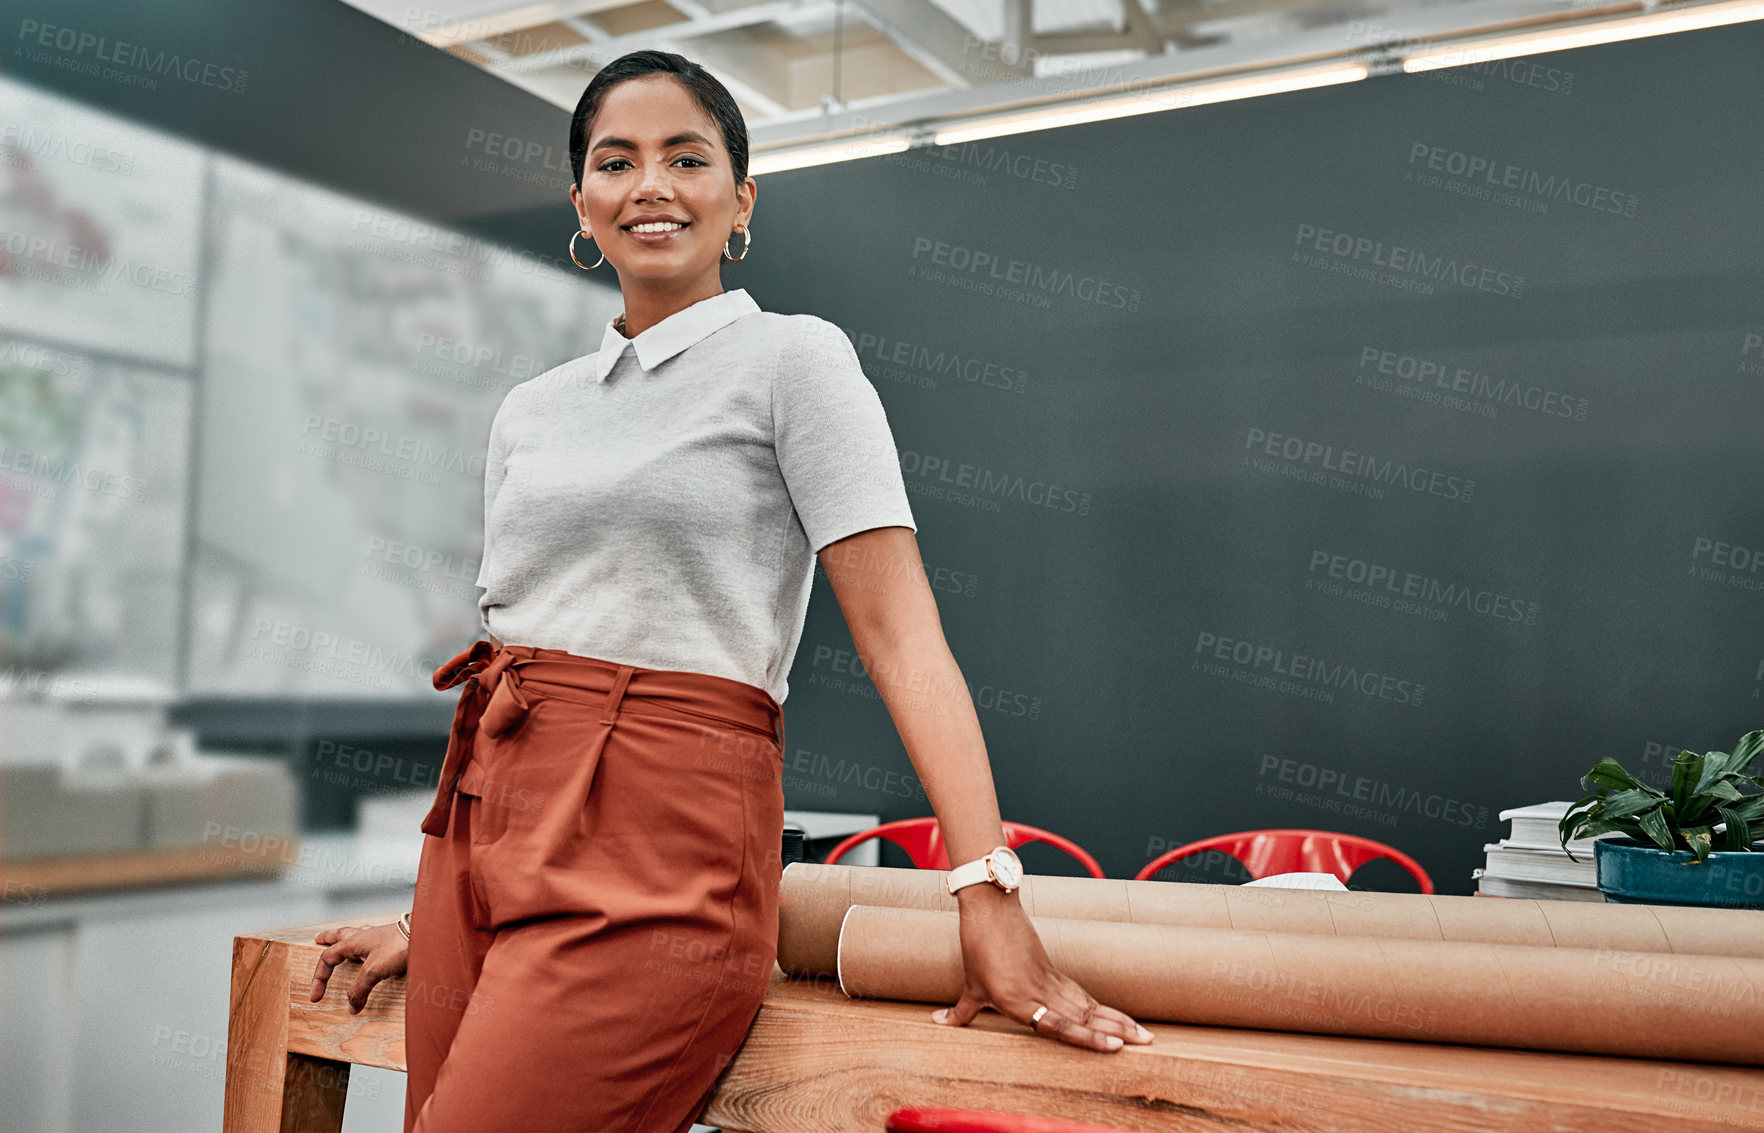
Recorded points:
579,263
746,243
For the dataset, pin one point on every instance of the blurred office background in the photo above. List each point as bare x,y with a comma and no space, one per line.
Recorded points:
1372,457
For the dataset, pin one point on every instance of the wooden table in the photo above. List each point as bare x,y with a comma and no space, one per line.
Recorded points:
818,1062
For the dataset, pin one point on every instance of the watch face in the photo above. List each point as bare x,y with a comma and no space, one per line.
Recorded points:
1006,868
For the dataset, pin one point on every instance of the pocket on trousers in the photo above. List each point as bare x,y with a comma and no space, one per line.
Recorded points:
502,805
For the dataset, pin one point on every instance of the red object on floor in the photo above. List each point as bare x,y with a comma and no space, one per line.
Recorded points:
927,1119
1267,852
922,839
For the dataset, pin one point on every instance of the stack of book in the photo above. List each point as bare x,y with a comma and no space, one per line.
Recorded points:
1530,861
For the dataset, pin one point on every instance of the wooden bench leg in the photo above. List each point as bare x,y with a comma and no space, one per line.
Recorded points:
257,1037
288,1058
268,1088
313,1091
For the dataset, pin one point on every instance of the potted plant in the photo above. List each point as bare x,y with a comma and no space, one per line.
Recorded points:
1692,845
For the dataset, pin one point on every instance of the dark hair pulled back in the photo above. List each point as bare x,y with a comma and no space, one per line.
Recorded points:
711,95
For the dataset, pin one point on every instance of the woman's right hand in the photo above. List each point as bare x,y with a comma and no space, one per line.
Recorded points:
381,948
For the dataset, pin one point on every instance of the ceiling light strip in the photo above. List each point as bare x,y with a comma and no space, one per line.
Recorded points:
1175,95
1149,100
825,153
1488,49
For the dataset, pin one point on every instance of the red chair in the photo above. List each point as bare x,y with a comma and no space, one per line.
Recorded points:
929,1119
922,839
1267,852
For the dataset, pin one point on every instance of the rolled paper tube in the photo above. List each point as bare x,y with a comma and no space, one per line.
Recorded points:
1591,1001
813,898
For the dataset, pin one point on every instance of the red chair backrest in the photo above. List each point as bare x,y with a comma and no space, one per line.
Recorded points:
938,1119
922,839
1267,852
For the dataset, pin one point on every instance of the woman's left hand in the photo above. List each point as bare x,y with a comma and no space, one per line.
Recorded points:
1007,969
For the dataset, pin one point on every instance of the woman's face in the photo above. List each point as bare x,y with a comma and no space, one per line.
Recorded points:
653,152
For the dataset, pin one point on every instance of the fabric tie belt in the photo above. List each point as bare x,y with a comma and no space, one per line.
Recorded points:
494,702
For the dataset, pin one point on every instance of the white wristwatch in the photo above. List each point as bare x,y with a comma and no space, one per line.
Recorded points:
1000,867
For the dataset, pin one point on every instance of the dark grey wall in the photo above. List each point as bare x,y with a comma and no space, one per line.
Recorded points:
1583,443
1152,431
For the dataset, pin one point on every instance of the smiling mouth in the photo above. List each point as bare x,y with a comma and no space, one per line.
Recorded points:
655,228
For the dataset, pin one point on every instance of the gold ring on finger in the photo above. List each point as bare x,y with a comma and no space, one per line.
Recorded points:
1039,1012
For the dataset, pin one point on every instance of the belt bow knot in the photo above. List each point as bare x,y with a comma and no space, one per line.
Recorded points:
492,701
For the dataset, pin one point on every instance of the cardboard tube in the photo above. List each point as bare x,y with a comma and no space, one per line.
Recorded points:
1592,1001
813,899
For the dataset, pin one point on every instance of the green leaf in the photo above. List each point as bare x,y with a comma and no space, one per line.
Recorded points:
1593,829
1750,745
1608,773
1714,767
1752,809
1576,816
1583,801
1687,770
1653,823
1625,803
1723,790
1701,840
1719,765
1734,763
1739,831
1627,826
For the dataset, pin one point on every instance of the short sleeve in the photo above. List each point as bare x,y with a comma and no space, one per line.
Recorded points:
833,442
495,456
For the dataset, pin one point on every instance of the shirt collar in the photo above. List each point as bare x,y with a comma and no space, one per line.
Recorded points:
673,334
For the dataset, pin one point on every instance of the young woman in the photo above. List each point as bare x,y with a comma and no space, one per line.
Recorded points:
596,908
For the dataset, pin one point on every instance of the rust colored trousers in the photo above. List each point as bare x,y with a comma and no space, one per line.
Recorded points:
596,913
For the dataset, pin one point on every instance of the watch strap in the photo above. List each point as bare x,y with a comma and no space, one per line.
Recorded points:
983,869
969,873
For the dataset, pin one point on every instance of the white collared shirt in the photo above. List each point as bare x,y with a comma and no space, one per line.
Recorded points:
674,333
660,502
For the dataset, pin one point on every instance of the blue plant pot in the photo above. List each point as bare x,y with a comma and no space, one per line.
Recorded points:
1634,872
